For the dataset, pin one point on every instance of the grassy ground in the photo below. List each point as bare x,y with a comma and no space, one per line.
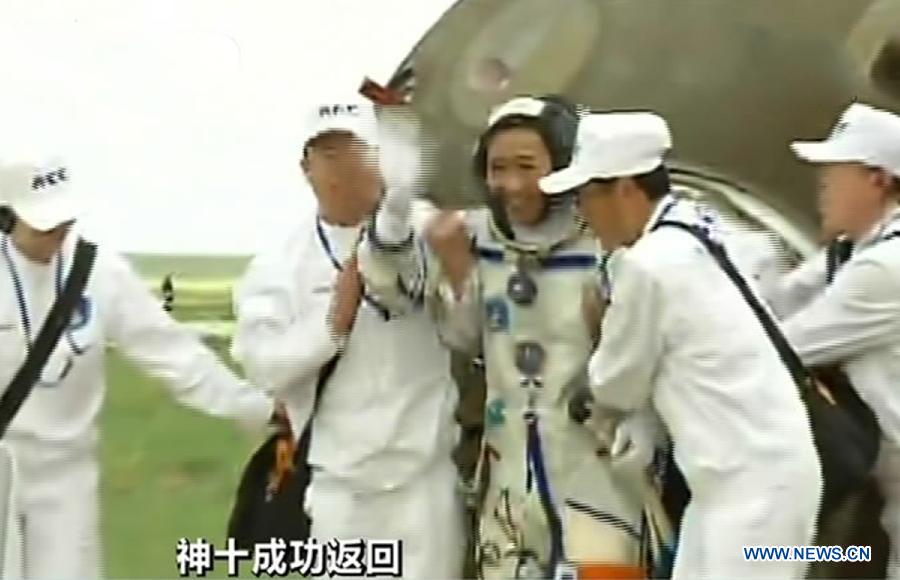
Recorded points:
168,472
156,266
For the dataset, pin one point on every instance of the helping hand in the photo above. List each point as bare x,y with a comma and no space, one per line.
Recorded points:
347,296
634,441
448,236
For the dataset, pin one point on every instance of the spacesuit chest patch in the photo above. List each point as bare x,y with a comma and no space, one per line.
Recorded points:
495,413
496,314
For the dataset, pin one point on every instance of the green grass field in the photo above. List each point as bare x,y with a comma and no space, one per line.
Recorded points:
168,472
199,267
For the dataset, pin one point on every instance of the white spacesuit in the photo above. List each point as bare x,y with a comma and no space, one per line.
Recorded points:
548,501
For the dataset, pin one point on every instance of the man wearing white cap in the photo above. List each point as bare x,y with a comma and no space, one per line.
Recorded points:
679,334
856,321
383,428
54,436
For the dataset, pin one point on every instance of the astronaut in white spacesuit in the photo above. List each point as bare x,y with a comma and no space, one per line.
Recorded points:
518,282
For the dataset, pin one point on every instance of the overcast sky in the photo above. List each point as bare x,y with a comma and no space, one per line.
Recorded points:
180,118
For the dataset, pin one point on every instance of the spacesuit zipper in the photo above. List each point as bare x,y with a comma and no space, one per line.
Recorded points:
536,461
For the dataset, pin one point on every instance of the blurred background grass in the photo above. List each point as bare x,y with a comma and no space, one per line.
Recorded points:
169,472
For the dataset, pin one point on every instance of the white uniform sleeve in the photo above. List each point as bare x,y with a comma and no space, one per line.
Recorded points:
170,351
792,292
280,347
621,370
459,320
858,312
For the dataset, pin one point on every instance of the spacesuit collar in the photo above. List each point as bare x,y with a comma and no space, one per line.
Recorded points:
551,230
559,227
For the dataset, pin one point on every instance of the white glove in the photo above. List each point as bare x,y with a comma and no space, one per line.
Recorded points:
634,441
399,161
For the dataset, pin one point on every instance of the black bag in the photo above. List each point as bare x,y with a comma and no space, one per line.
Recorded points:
7,219
844,428
262,512
57,320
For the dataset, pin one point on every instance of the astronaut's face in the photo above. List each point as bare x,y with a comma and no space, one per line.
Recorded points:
343,172
516,160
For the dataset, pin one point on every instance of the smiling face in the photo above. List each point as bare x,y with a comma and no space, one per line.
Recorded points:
517,158
343,172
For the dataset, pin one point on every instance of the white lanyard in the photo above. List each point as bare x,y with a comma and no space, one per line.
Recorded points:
326,245
23,305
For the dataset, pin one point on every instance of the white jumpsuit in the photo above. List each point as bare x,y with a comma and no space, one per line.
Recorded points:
855,321
599,509
54,437
384,431
679,333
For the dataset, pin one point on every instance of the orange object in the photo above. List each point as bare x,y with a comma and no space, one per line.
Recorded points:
284,461
381,95
610,572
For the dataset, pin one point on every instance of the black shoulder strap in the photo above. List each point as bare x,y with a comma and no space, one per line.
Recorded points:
788,355
53,327
839,252
836,255
324,375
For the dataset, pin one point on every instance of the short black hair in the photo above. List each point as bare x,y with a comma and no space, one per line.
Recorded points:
557,126
655,184
316,140
895,185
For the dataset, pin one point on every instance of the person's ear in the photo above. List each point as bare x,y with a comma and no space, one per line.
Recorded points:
882,179
304,164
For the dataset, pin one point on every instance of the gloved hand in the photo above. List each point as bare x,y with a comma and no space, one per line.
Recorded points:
581,405
634,440
448,236
400,165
